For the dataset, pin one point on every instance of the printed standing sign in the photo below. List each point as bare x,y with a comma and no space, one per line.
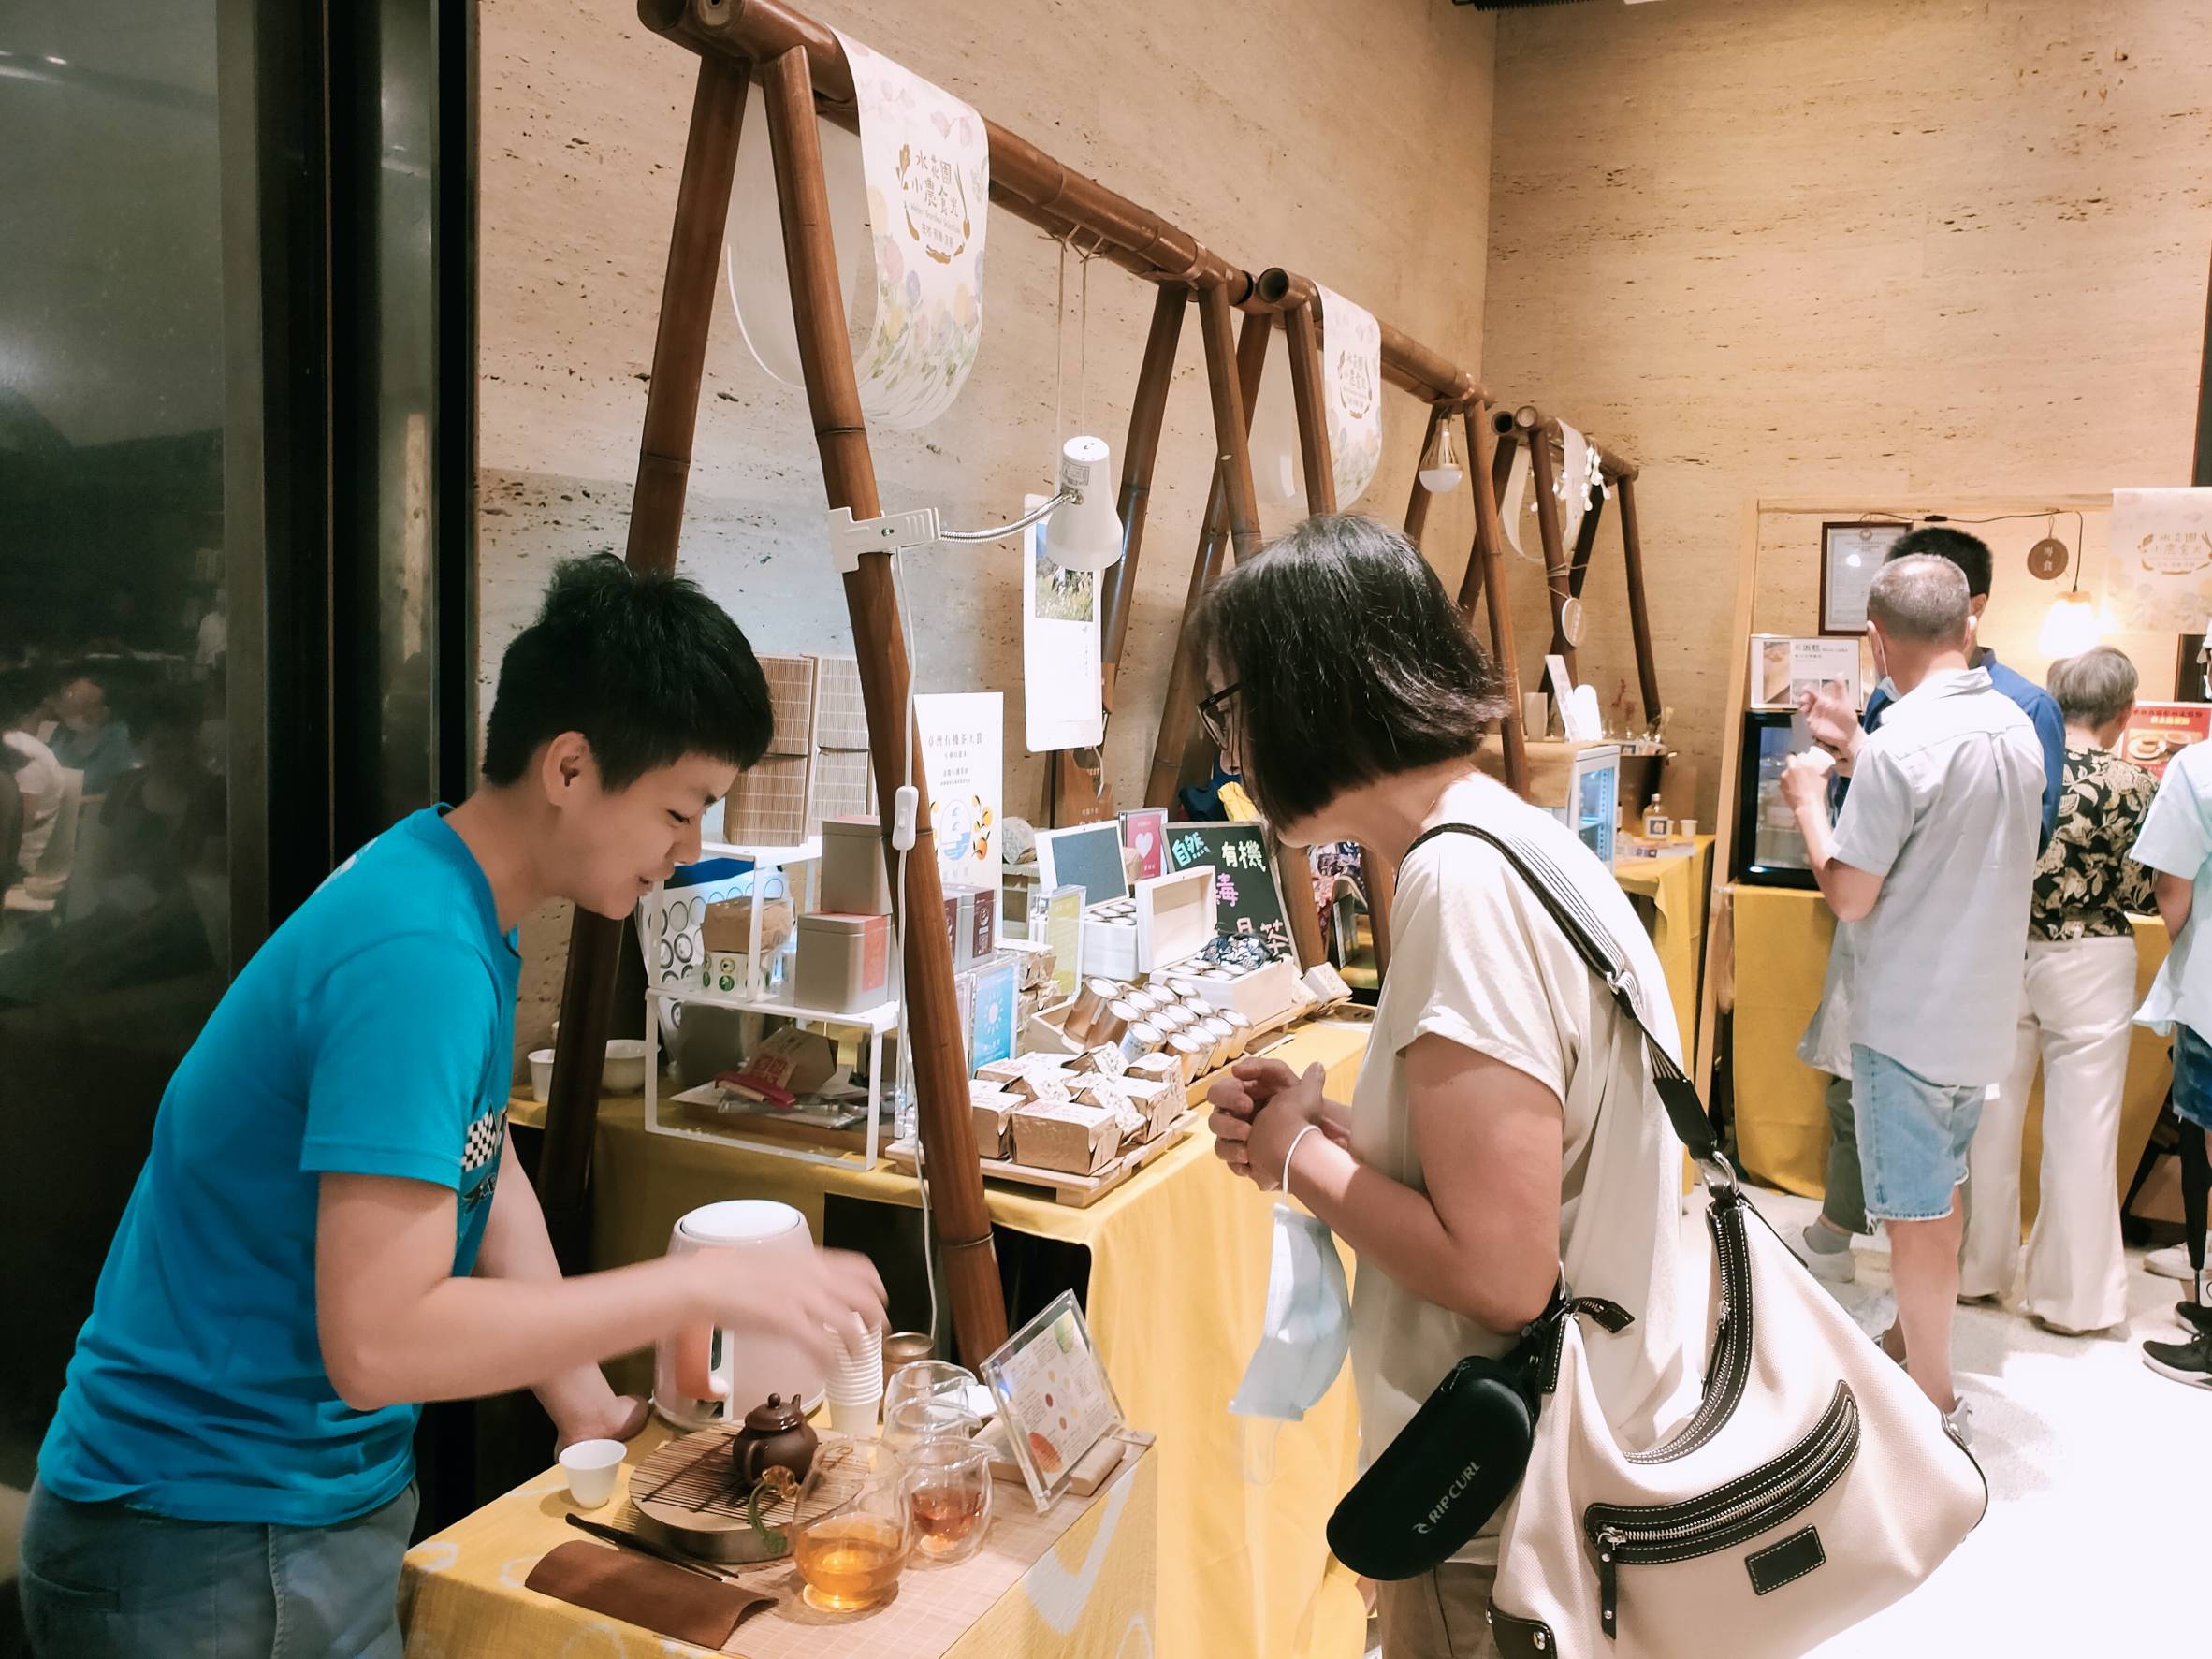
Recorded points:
1059,913
2157,732
1144,832
963,755
2161,560
1351,386
1061,705
1246,896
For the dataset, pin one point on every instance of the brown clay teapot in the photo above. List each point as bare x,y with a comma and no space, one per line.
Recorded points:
774,1434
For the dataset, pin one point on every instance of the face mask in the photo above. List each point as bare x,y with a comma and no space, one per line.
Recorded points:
1309,1326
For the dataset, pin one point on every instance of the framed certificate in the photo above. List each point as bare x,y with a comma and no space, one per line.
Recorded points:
1850,555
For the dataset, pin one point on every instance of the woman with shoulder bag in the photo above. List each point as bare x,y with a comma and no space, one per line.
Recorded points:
1500,1130
1508,1172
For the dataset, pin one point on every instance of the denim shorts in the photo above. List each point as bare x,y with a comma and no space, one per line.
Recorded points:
2192,1078
1913,1137
102,1581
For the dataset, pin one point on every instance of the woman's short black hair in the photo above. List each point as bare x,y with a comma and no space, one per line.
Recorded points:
647,667
1348,661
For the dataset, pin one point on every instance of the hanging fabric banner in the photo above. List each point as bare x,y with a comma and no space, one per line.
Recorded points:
1351,384
1574,484
910,201
2160,561
928,161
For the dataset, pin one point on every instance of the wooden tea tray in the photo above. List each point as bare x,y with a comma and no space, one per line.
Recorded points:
685,1495
1077,1191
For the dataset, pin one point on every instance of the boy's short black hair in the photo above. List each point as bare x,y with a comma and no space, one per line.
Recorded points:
1971,554
647,667
1348,661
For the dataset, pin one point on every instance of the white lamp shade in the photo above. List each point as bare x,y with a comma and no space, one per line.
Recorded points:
1440,468
2072,627
1085,534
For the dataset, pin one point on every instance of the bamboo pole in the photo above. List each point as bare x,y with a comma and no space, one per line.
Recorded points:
1301,328
1024,179
1535,433
1490,552
1179,706
1067,779
962,1222
1639,612
687,291
1303,338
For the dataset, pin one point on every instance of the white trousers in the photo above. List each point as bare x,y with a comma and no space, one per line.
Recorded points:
2080,996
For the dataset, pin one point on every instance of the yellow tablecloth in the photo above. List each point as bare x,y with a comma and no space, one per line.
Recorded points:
1178,1281
1089,1594
1675,890
1781,1120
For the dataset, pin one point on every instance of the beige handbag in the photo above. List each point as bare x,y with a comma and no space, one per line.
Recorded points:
1814,1485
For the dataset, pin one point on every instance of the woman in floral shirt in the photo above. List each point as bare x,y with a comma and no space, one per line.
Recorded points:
2080,996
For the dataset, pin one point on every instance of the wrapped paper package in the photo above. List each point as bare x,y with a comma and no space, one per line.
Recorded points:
1076,1139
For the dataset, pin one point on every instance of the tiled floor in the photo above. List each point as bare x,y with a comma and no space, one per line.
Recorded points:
2099,1476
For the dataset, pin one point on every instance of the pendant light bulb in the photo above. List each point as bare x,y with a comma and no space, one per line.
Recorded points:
1085,534
2071,627
1440,467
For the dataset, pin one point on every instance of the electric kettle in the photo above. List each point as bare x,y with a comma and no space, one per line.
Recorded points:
707,1374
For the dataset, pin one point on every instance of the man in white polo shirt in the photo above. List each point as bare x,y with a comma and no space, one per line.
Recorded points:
1930,867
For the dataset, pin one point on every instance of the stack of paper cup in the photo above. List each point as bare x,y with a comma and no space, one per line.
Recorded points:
856,1389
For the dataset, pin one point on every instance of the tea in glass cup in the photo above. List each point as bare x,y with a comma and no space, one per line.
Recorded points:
948,1490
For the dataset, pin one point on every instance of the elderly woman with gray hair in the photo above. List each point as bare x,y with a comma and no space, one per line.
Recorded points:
2080,996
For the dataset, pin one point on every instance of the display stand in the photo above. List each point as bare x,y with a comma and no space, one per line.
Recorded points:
801,67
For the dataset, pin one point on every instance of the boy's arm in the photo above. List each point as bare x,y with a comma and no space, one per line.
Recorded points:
2174,842
397,1327
515,1245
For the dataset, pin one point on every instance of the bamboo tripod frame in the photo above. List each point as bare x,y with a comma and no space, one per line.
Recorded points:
1565,573
802,71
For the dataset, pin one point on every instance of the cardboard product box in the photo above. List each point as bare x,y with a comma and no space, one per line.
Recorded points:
855,880
791,1061
984,919
1074,1139
1160,1103
993,1122
1042,1086
1000,1074
844,962
960,926
1161,1068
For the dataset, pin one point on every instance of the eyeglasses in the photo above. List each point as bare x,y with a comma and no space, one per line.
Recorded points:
1214,715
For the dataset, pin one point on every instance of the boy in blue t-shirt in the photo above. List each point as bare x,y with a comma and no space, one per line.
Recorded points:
320,1240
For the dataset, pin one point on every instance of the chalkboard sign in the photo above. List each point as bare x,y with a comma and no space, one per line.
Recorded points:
1087,856
1246,896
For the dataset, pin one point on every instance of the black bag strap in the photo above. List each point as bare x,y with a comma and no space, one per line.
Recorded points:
1594,945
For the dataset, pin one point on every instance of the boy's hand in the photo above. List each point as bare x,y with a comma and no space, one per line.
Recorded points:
831,1296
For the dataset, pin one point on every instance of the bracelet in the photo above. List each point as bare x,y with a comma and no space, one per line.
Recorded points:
1293,1152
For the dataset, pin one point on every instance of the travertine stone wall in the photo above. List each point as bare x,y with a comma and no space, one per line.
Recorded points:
1885,251
1345,139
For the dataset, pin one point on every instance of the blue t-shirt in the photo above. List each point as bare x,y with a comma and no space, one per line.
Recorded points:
2032,700
374,1034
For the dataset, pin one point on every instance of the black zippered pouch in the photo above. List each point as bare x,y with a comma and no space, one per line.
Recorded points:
1459,1457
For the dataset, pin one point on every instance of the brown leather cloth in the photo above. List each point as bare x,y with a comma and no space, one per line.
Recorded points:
641,1590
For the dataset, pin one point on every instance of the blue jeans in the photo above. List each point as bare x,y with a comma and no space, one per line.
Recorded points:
101,1581
2192,1078
1913,1137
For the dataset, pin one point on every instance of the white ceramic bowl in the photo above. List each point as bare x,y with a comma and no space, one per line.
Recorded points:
624,1070
540,1073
